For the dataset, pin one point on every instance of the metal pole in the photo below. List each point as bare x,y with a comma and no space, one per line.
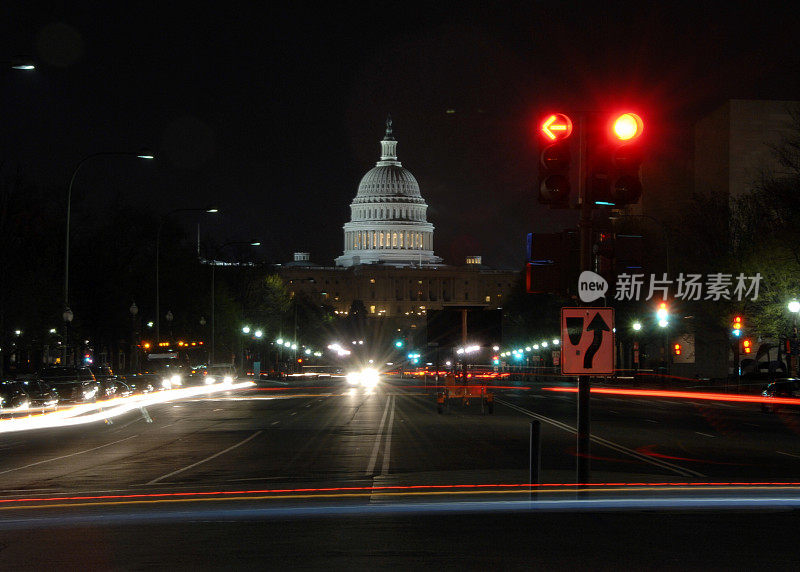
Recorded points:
585,229
535,457
213,294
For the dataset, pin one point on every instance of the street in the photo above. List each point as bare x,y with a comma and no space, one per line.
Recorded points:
321,474
327,432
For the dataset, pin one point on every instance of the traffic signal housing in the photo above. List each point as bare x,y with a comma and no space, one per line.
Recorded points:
747,346
737,326
615,160
554,160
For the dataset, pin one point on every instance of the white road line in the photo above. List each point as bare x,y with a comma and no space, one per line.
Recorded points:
788,454
214,456
274,423
374,457
706,434
387,445
66,456
651,421
682,471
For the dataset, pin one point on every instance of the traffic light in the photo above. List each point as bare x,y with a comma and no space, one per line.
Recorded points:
615,160
676,348
737,326
662,314
747,346
555,158
398,343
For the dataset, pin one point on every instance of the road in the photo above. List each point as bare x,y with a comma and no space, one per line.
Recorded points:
324,444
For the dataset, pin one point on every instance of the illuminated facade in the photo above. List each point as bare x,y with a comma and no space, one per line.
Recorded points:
388,223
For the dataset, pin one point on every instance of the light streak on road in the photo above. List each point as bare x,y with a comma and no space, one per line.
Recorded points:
684,395
108,409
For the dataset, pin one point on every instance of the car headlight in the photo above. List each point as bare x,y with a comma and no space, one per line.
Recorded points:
369,378
227,379
175,379
353,378
166,383
209,379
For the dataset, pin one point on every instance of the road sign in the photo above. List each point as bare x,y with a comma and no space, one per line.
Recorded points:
587,338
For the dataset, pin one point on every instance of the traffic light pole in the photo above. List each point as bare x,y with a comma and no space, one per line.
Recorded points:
584,381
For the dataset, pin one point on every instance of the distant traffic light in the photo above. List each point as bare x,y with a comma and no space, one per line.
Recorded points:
615,160
554,160
662,314
398,343
737,326
676,348
747,346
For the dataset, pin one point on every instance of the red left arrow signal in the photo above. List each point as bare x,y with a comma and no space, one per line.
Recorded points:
557,126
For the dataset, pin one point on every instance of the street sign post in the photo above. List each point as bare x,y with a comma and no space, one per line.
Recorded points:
587,336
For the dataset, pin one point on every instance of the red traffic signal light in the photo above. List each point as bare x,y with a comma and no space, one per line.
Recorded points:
557,126
747,346
555,158
627,127
677,349
615,159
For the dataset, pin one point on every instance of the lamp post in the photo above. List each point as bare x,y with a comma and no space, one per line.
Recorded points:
134,361
214,290
794,308
169,318
143,154
211,210
67,316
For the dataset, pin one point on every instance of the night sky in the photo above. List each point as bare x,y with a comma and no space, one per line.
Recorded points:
273,111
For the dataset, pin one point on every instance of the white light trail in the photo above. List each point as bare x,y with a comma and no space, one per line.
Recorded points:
102,410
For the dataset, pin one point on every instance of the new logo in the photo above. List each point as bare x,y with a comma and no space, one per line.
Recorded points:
591,286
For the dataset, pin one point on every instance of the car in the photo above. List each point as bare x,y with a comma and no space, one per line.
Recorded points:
789,387
13,396
41,394
107,380
73,384
139,383
221,373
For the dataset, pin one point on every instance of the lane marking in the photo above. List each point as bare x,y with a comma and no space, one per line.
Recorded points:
387,446
788,454
706,434
214,456
651,421
374,457
682,471
274,423
66,456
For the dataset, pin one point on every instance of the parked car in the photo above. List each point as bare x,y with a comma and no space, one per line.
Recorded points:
107,380
780,388
12,396
40,393
141,383
73,384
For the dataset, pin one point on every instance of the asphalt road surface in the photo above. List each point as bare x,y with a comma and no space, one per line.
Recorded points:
324,446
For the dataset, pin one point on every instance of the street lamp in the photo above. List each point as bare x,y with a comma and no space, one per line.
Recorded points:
67,316
134,309
794,308
143,154
211,210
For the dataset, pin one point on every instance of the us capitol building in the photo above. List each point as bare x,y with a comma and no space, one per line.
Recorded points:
388,261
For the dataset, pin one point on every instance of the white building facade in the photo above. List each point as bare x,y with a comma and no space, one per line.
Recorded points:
388,221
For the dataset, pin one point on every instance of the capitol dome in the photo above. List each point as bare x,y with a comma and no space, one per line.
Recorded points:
388,223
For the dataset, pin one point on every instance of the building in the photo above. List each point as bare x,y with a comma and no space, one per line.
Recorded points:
388,216
388,262
735,144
